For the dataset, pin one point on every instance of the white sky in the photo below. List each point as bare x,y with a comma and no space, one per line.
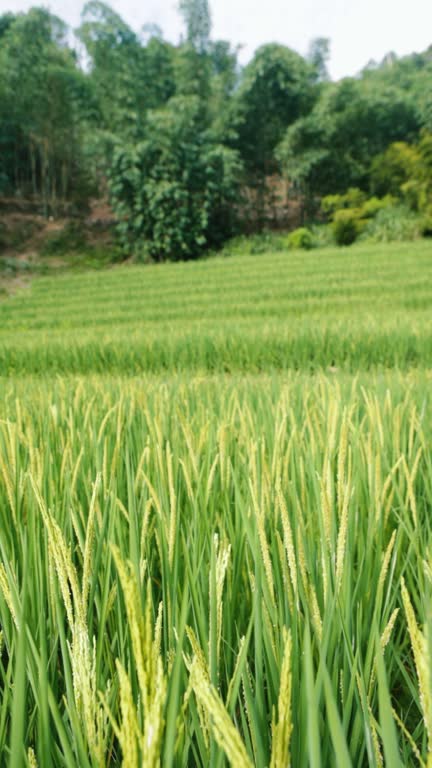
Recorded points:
359,30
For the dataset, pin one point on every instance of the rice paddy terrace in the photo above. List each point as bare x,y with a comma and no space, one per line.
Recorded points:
353,308
215,514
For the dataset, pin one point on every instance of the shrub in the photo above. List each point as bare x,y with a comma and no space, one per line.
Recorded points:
349,213
392,224
347,225
374,205
301,238
426,226
393,168
353,198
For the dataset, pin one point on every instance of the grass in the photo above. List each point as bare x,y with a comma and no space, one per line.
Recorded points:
201,569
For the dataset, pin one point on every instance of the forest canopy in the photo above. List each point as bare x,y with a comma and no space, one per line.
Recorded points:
181,138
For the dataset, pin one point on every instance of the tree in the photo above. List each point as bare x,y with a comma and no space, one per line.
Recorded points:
330,149
417,190
276,89
175,192
129,78
224,79
6,21
197,19
393,168
114,53
318,56
41,137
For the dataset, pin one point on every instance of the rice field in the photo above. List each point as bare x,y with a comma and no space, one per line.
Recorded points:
215,514
356,309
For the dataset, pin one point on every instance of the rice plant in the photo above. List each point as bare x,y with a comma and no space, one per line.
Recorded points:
215,506
216,571
362,308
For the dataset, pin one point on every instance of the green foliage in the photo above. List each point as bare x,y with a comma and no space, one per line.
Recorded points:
174,193
418,189
330,149
250,245
41,136
12,267
394,223
426,224
402,172
318,56
3,236
233,312
197,19
271,242
174,542
347,224
224,79
393,168
301,238
410,75
350,212
128,78
322,235
275,90
373,205
406,171
193,72
6,21
72,117
353,198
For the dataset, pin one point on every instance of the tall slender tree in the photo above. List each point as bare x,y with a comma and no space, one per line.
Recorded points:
197,19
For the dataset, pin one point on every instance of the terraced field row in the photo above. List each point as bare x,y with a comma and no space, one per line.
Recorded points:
361,307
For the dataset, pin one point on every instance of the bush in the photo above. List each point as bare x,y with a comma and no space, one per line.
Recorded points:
426,226
347,225
353,198
301,238
349,213
394,168
374,205
393,224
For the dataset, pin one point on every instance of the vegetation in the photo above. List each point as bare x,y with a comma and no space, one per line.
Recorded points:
215,477
355,309
174,193
202,569
189,146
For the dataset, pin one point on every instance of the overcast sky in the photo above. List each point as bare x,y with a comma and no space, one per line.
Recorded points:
359,30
